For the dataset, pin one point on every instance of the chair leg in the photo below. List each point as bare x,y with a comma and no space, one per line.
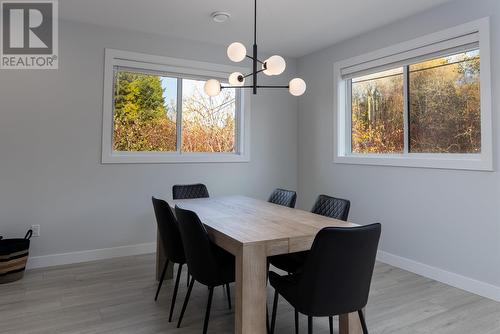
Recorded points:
188,294
310,325
275,307
162,277
363,321
174,296
330,321
209,306
192,278
296,321
228,289
268,328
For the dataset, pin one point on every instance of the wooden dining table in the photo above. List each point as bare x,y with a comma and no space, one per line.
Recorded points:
252,230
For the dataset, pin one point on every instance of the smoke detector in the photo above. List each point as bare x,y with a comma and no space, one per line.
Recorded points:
220,17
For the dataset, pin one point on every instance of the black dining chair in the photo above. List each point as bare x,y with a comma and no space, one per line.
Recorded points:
332,207
283,197
170,238
328,206
188,191
208,264
336,276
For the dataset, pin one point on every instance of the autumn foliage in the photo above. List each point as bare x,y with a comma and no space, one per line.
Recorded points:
145,121
444,108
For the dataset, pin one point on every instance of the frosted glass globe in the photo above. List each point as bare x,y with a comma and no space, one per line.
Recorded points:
236,52
297,87
212,87
275,65
233,79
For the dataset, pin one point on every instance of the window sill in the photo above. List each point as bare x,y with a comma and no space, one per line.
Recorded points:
441,161
173,158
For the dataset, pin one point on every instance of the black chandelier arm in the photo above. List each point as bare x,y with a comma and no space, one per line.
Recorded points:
250,74
257,60
251,86
287,86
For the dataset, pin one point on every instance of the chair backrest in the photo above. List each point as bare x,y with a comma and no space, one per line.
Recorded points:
168,228
199,250
332,207
337,274
283,197
187,191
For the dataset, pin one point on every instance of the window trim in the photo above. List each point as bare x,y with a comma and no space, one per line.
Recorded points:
482,161
195,69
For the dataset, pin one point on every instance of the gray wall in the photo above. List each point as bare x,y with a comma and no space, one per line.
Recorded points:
448,219
50,148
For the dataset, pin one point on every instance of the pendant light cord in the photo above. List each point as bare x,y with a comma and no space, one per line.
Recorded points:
255,23
254,70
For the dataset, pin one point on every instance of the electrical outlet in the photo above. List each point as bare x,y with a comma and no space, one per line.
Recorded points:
36,230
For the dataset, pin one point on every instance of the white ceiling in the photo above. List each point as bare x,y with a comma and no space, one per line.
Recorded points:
287,27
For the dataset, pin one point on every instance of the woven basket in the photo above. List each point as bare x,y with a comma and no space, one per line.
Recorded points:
13,258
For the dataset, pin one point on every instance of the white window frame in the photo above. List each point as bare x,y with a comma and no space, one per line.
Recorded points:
184,68
342,121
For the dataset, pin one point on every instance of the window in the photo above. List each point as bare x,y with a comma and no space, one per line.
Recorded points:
144,113
155,110
146,110
425,106
208,123
444,104
444,114
377,112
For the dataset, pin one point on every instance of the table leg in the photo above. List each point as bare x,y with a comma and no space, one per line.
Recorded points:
251,292
160,261
350,324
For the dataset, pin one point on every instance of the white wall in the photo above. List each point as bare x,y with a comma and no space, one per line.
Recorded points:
446,219
50,148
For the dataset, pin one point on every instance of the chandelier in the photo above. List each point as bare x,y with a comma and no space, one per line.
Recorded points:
274,65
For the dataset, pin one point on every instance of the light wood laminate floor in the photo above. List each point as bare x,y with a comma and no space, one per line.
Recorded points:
116,296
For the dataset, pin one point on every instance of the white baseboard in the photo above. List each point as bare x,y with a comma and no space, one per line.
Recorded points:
461,282
458,281
90,255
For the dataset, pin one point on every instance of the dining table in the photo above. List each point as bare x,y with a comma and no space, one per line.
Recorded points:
252,230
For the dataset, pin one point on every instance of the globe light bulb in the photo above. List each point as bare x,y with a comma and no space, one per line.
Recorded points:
275,65
297,87
236,52
234,79
212,87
